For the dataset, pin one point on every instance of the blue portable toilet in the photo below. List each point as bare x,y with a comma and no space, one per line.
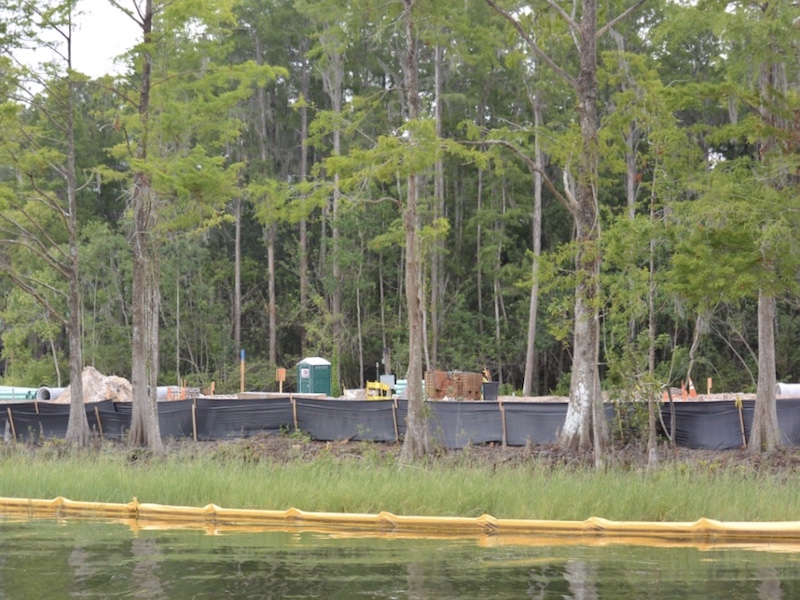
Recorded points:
314,376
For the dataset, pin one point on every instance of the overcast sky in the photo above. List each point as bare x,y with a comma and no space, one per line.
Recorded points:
103,32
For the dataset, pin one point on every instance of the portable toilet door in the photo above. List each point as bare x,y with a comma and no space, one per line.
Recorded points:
314,376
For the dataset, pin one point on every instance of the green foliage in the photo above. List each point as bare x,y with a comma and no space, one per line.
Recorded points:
714,159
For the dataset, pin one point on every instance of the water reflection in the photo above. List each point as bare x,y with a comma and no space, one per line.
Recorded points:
770,586
90,559
582,579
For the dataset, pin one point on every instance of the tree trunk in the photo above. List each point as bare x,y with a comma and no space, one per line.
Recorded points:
145,429
437,254
497,297
78,424
269,228
652,435
332,78
765,434
270,233
585,426
533,307
237,277
303,251
479,225
631,174
387,357
417,440
359,324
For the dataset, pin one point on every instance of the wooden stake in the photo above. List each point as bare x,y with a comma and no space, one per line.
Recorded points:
394,416
503,416
741,420
99,422
194,419
241,373
11,422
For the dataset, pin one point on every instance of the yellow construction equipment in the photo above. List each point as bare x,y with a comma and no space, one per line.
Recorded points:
378,391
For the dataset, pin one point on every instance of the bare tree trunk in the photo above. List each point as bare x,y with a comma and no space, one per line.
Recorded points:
699,327
78,425
305,85
652,434
533,309
145,428
387,357
237,277
424,308
332,78
765,434
269,228
631,143
417,439
359,325
437,252
479,227
271,231
631,139
497,292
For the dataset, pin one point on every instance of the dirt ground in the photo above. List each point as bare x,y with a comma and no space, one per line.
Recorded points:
286,449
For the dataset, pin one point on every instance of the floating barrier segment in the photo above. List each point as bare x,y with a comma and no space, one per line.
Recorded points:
700,531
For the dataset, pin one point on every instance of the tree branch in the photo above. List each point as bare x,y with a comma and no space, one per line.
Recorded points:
534,46
567,201
604,29
24,285
568,18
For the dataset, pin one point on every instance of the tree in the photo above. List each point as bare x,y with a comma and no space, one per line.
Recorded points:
747,250
27,146
416,442
585,426
178,124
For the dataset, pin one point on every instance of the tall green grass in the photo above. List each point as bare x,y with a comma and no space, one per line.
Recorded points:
370,484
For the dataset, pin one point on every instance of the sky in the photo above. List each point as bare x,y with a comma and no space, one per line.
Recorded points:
103,32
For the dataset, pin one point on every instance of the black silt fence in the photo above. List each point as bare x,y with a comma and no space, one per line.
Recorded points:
703,425
32,421
457,424
226,419
718,425
367,420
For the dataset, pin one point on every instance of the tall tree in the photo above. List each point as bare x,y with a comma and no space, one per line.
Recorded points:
749,183
417,440
29,149
585,426
178,124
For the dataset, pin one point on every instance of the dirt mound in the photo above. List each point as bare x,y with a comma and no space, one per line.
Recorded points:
97,387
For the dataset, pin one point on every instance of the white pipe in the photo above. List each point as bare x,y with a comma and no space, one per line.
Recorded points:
172,392
788,389
49,393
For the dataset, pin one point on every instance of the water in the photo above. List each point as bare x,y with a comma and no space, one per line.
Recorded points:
89,559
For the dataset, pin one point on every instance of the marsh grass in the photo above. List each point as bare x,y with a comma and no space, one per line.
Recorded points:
239,475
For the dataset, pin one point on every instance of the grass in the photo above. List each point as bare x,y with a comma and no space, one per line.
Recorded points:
362,480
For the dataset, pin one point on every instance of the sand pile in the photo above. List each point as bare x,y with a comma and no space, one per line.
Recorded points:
97,387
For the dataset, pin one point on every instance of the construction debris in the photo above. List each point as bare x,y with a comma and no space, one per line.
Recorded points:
98,387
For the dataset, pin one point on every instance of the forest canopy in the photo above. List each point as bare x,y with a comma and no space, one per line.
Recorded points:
279,154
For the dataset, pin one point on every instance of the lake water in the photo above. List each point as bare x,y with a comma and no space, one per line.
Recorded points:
77,558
